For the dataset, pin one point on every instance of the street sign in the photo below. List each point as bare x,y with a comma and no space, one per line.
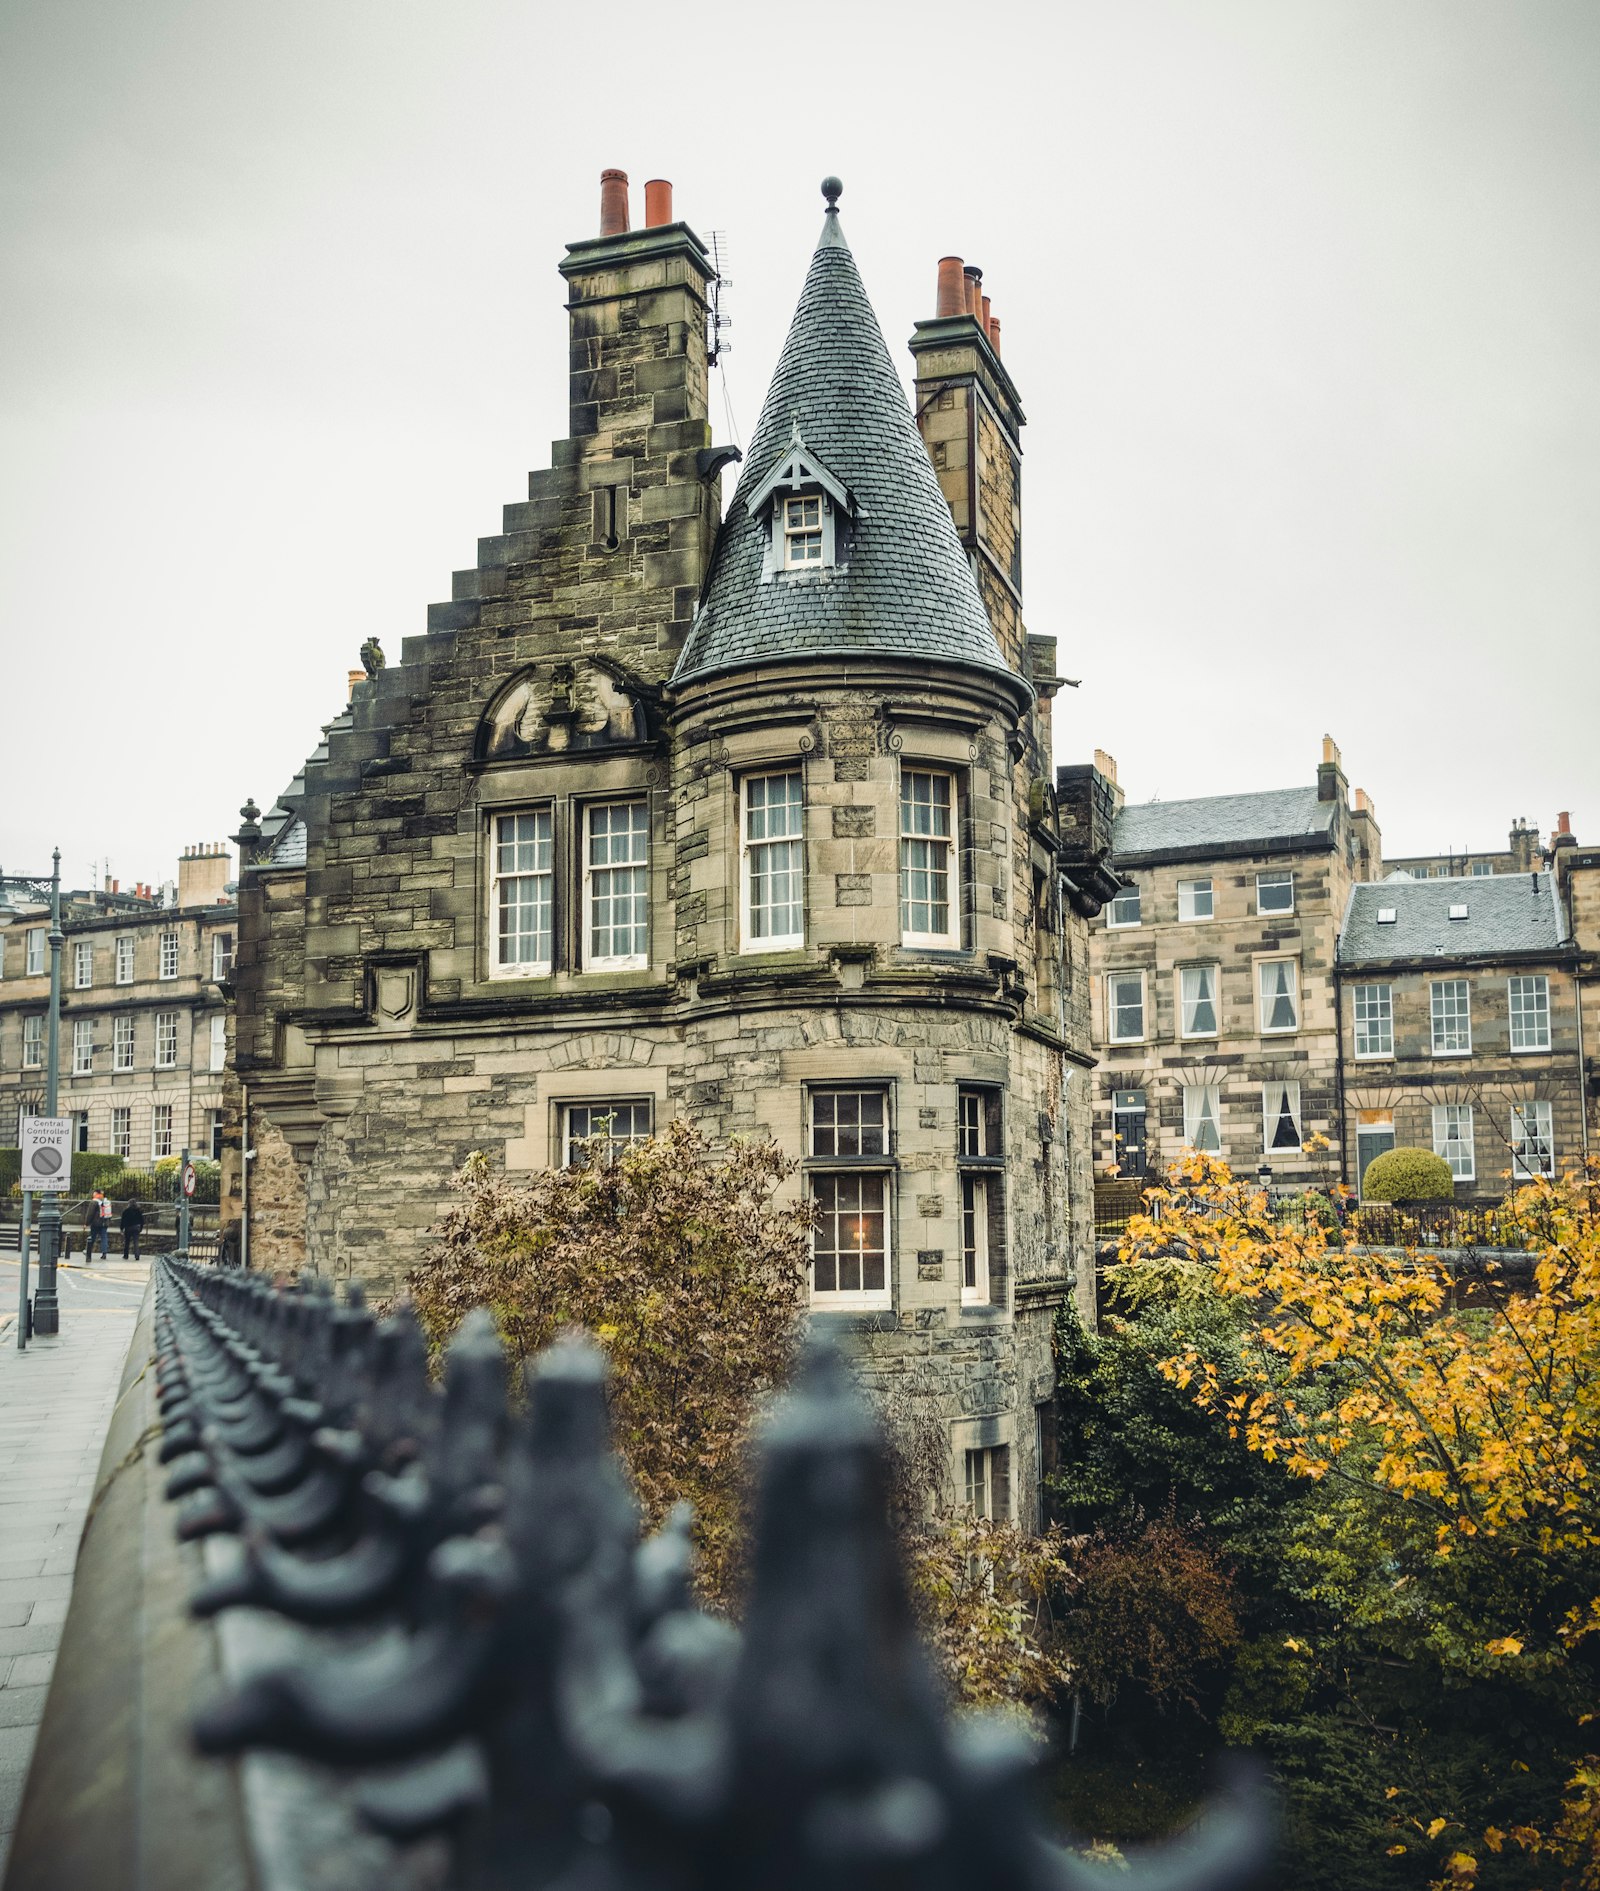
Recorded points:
46,1153
188,1178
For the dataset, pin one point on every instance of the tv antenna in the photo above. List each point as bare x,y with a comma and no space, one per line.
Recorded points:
718,322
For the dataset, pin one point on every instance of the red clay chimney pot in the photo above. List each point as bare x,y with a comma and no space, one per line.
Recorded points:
657,203
994,333
973,278
1564,822
952,297
613,203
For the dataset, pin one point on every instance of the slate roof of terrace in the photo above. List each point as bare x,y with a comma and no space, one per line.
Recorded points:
907,590
1506,913
1276,815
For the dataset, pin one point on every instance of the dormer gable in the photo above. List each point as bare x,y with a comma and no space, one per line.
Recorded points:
806,510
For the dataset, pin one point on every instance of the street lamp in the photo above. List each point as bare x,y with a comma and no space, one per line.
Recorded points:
46,1305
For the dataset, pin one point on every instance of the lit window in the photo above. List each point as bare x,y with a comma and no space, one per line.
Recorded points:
988,1482
1202,1117
614,1123
166,1040
1374,1018
1452,1017
1278,983
1197,1000
1274,892
122,1131
169,955
1128,1131
774,861
1533,1149
1124,908
802,532
850,1245
1452,1138
929,906
1530,1013
221,954
82,965
32,1043
161,1132
38,942
616,886
1194,899
122,1043
1125,1007
82,1046
219,1042
521,891
1280,1117
978,1150
125,959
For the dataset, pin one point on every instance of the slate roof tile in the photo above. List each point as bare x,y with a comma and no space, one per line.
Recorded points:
1511,912
1222,820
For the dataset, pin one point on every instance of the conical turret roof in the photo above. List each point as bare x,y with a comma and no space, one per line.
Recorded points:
904,588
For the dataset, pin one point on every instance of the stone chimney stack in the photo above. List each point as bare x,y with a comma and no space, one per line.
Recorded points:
1524,846
203,871
1368,840
1331,784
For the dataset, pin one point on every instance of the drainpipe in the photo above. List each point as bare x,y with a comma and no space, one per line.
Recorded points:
245,1152
1583,1093
1338,1073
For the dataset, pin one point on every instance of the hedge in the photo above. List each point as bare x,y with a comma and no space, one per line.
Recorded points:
1408,1175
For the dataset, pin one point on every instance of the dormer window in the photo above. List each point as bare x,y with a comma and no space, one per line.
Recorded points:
808,513
802,532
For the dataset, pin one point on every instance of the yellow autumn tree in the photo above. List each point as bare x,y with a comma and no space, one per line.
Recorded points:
1464,1403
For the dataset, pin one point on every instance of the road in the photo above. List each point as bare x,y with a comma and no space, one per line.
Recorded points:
106,1284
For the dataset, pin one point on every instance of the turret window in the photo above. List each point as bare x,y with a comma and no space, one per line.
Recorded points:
849,1178
773,862
929,888
802,532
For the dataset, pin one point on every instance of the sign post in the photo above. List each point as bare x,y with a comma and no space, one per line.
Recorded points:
185,1192
46,1305
23,1310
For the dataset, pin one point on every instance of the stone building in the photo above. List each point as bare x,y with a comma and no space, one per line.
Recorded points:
1522,852
1213,1002
746,818
143,1018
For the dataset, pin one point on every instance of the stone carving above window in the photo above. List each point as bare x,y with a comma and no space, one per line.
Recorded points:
565,709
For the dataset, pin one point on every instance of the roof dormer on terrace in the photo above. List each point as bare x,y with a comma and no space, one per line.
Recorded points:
806,512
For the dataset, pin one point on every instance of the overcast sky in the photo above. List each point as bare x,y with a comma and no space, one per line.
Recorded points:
1300,295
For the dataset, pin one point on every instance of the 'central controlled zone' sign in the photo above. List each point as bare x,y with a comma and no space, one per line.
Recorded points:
46,1153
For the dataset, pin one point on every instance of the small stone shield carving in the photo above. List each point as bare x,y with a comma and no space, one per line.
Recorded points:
397,993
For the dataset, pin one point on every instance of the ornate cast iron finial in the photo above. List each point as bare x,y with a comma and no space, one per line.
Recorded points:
833,190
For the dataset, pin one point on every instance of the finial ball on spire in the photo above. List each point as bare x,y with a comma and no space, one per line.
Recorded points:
833,190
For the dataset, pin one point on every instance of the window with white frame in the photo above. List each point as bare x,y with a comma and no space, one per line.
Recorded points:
214,1134
1197,1001
219,1042
122,1131
1278,982
772,863
161,1132
1452,1138
1124,907
32,1042
122,1043
166,1040
82,965
605,1128
1125,1007
167,955
802,531
1194,899
1530,1013
1275,892
616,886
124,956
930,903
82,1046
988,1482
522,891
1373,1007
1482,867
221,955
38,951
850,1243
1450,1008
980,1176
1280,1117
1533,1147
1202,1117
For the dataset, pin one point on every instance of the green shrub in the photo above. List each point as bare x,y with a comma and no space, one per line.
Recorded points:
1408,1175
10,1167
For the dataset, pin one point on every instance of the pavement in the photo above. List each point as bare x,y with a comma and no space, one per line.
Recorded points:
56,1401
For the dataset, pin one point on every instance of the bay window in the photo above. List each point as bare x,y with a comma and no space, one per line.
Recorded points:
930,902
848,1174
772,861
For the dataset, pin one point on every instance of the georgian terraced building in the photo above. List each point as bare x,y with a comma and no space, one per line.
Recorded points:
744,817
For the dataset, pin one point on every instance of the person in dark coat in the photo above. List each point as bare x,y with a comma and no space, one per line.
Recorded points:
132,1225
97,1223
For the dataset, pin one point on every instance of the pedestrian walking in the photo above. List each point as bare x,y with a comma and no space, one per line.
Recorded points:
97,1225
132,1225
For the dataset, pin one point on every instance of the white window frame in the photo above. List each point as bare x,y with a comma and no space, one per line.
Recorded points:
582,1119
122,1131
221,956
1264,1001
499,965
803,522
1518,1011
166,1040
1275,879
33,1042
1131,892
38,958
1196,900
1186,1003
758,857
912,837
1113,1007
83,965
125,958
1450,1032
1273,1097
167,954
161,1132
988,1494
1380,1014
1448,1141
122,1041
82,1047
874,1166
219,1042
1538,1115
1195,1115
594,961
980,1191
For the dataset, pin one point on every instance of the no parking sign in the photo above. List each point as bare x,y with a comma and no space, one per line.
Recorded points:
46,1153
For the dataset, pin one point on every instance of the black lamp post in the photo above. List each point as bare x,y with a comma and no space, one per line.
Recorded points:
46,1304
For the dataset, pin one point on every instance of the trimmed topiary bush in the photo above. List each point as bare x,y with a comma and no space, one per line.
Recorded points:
1408,1175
